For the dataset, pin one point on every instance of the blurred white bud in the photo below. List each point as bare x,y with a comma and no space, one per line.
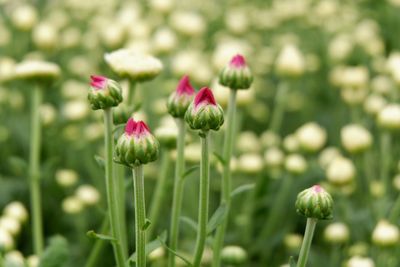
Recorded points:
37,69
250,163
10,224
167,135
72,205
162,6
270,139
373,104
327,156
382,84
70,38
377,189
113,35
355,138
188,23
290,61
396,182
14,258
237,21
75,110
94,131
389,117
24,17
16,210
296,164
337,233
341,171
358,261
221,93
48,113
274,157
32,261
293,241
192,152
233,255
291,143
66,177
340,47
88,194
164,40
355,77
157,254
352,96
385,234
311,136
6,240
248,142
45,36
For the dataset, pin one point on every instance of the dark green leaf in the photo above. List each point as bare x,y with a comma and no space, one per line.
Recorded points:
292,262
156,243
146,224
94,235
242,189
189,171
56,254
219,158
100,161
175,253
217,218
188,221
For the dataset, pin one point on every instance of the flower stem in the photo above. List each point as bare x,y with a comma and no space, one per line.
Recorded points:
279,110
34,171
112,199
178,191
98,246
203,199
159,193
226,178
131,93
140,215
305,247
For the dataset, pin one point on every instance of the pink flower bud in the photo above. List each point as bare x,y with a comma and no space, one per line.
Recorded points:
105,93
98,82
204,97
236,75
179,100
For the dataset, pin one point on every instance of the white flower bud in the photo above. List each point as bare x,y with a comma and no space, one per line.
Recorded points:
6,240
327,156
396,182
192,152
382,85
341,171
274,157
377,189
14,258
72,205
290,61
10,224
88,195
373,104
237,21
48,114
188,23
75,110
270,139
250,163
340,47
233,255
113,34
66,177
291,143
36,69
16,210
355,77
353,96
385,234
293,241
358,261
94,131
389,117
156,254
311,136
355,138
32,261
164,40
248,142
24,17
45,36
163,6
296,164
336,233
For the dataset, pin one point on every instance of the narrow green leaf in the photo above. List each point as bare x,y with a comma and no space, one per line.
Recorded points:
189,222
94,235
176,253
146,225
100,161
241,189
292,262
219,158
153,245
189,171
217,218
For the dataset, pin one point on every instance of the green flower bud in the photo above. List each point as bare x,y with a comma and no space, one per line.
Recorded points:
204,113
315,202
236,75
179,100
105,93
137,145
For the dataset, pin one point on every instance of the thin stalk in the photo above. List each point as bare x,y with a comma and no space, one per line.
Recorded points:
279,109
98,246
159,193
306,245
131,93
34,171
385,140
112,199
395,212
203,200
178,191
140,215
226,178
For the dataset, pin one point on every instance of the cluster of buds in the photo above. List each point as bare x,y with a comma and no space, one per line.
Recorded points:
315,203
137,145
105,93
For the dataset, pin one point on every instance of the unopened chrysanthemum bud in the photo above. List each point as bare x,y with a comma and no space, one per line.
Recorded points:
355,138
374,103
14,258
385,234
157,254
358,261
248,142
377,188
138,67
327,156
250,163
274,157
6,240
233,255
179,101
167,135
236,75
45,36
10,224
290,62
204,113
66,177
24,17
295,164
389,117
341,171
88,194
291,143
270,139
37,71
137,145
72,205
336,233
104,93
311,136
293,241
16,210
32,261
315,202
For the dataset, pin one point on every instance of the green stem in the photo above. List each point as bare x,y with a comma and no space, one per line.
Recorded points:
306,245
226,178
131,93
385,140
34,171
203,200
279,110
140,215
395,212
98,246
159,193
178,191
112,199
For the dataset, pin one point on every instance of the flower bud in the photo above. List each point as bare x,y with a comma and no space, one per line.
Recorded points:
315,202
32,261
180,100
105,93
250,163
10,224
16,210
295,164
374,103
14,258
311,136
24,17
156,255
358,261
336,233
6,240
66,177
385,234
389,117
293,241
233,255
204,113
274,157
236,75
341,171
88,195
327,156
290,62
72,205
355,138
37,70
137,145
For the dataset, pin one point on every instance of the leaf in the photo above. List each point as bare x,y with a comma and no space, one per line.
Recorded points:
241,189
189,171
188,221
94,235
217,218
18,165
153,245
292,262
175,253
146,225
56,254
219,158
100,161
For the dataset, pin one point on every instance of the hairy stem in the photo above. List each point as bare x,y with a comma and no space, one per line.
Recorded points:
140,215
306,245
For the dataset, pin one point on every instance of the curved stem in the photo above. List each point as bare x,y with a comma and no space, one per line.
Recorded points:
112,199
203,200
279,109
34,171
140,215
306,245
178,191
159,193
226,178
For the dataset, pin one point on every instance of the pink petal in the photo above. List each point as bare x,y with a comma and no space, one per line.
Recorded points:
206,96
